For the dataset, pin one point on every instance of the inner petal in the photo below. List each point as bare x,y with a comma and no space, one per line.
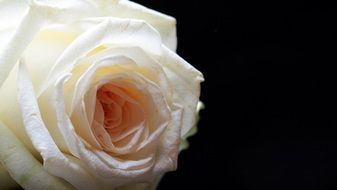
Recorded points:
112,115
117,118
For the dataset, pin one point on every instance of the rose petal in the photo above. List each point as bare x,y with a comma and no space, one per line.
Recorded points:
10,109
124,58
151,99
148,66
164,24
83,83
185,81
79,116
54,161
104,172
113,177
62,121
125,164
23,167
111,31
81,123
184,143
22,36
40,59
168,148
38,14
11,12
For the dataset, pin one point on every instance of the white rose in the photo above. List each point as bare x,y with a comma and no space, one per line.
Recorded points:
92,94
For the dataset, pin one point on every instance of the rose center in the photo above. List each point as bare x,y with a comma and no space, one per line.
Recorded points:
117,117
112,106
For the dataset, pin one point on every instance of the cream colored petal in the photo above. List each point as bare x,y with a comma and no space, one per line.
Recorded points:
148,66
124,32
81,124
78,109
10,109
98,165
44,50
157,111
80,119
101,167
113,162
116,60
23,35
54,160
48,113
83,83
90,102
23,167
168,148
62,11
112,177
185,81
164,24
63,121
166,154
184,142
54,36
39,14
102,136
132,141
11,12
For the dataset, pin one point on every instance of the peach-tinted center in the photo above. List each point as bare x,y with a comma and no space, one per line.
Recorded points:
117,116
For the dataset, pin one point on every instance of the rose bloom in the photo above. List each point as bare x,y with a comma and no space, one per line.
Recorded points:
92,95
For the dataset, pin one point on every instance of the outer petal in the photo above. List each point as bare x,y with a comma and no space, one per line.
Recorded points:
35,18
38,14
23,167
184,143
168,149
24,34
10,52
39,59
120,32
164,24
54,161
11,12
185,81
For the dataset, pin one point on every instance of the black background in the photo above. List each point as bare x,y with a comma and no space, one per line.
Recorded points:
270,97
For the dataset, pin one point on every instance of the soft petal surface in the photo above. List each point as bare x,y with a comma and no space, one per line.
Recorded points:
164,24
23,35
11,12
110,31
23,167
186,85
54,160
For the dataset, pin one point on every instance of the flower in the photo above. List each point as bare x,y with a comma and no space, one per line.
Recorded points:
92,94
